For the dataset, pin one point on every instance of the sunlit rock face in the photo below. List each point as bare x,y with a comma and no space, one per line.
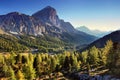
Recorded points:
49,17
42,22
19,23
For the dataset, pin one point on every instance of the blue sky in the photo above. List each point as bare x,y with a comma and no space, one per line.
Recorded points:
95,14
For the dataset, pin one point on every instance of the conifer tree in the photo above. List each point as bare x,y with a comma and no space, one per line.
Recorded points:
28,69
106,50
24,59
19,75
5,70
53,64
93,56
10,73
84,56
37,64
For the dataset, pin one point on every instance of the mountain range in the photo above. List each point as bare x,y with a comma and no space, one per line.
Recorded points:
96,33
44,23
44,30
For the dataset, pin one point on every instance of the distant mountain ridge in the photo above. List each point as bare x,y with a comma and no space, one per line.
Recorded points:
96,33
101,42
43,22
114,36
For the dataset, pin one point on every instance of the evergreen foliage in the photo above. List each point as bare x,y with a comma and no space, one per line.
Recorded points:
32,66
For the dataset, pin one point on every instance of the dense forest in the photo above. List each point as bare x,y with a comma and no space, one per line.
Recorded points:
18,66
25,43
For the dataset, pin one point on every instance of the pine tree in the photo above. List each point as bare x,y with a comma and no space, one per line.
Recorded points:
106,50
24,59
11,59
53,64
37,64
31,57
1,59
28,69
11,74
84,56
5,70
66,63
19,58
19,75
113,59
93,56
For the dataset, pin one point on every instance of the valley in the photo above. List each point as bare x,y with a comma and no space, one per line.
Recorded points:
41,46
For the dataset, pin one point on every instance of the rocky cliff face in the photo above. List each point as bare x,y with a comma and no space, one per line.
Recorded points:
48,15
21,24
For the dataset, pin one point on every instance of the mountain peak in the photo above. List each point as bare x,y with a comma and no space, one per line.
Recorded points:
47,14
50,8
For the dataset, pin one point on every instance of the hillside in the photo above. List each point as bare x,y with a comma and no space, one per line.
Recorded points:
25,43
114,36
